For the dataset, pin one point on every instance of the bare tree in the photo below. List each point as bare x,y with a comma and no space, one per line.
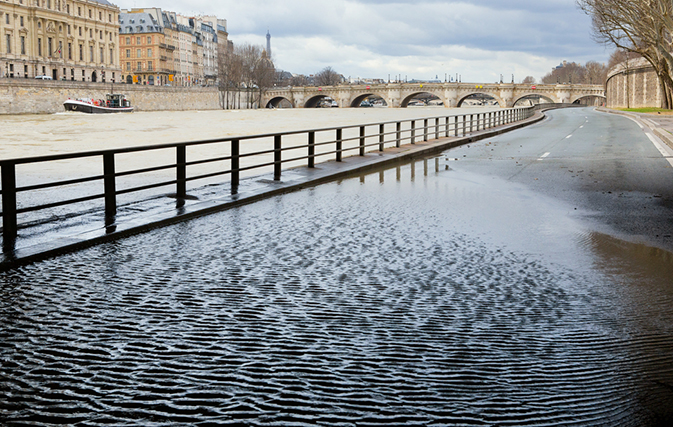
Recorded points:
644,27
327,77
299,80
230,76
529,80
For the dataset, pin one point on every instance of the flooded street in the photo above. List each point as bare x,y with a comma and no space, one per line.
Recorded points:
436,293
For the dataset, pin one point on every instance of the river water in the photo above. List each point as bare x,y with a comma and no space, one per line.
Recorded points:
407,296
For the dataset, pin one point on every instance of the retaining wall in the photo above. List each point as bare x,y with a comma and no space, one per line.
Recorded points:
29,96
635,86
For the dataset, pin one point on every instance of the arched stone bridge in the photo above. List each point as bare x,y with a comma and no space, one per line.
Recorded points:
451,94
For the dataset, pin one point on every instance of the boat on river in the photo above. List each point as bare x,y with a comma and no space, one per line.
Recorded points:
113,103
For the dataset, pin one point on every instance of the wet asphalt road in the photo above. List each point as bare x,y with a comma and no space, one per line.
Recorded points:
604,165
436,293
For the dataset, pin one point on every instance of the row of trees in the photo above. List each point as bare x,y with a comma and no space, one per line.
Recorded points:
245,68
641,27
570,72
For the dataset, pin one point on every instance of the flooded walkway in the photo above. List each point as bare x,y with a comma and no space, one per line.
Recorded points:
412,295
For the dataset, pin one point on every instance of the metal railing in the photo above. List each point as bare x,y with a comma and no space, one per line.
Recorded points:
334,143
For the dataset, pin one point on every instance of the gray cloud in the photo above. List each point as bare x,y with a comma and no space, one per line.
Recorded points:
420,39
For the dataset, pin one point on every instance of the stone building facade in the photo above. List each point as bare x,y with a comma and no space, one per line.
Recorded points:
75,40
633,85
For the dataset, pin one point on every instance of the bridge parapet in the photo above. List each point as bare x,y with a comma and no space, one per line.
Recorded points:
451,94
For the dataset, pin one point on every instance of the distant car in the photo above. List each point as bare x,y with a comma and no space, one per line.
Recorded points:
44,78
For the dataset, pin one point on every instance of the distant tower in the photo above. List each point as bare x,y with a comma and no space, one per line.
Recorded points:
268,43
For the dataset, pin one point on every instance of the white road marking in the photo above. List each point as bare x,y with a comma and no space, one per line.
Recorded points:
663,149
545,155
581,126
569,136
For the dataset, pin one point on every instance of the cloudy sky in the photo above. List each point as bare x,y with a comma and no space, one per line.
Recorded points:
416,39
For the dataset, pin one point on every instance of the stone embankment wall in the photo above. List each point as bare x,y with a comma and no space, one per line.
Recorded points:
633,86
29,96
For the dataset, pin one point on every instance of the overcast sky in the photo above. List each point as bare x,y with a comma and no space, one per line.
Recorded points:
417,39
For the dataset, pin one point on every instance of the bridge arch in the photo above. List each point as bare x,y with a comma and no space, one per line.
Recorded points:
355,103
279,102
316,100
407,99
532,95
595,100
501,102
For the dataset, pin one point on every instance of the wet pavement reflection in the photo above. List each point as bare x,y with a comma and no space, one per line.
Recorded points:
408,296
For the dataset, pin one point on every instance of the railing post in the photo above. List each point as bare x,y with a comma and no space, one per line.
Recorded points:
413,131
109,182
446,130
464,124
455,126
339,144
277,157
382,128
362,140
181,171
425,130
311,149
399,134
235,165
9,221
471,123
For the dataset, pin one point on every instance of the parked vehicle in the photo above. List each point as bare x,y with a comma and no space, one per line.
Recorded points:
44,77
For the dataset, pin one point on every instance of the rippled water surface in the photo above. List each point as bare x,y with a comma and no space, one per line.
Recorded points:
411,296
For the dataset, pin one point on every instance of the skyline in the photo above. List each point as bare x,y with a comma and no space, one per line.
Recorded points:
479,40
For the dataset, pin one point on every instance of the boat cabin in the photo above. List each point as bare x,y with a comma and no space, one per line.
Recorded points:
117,100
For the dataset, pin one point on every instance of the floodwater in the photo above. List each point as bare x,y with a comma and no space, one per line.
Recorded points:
408,296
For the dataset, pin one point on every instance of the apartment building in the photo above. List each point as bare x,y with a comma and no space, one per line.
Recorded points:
73,40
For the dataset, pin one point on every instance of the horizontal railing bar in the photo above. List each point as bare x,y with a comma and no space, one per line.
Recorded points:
61,203
208,175
58,184
140,171
145,187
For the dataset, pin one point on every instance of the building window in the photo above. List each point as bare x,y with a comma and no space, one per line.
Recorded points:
80,31
79,11
49,46
91,54
109,19
69,29
128,40
81,52
8,42
70,51
67,9
149,39
128,53
60,49
137,40
150,66
140,66
100,16
102,56
48,4
39,47
149,53
21,19
7,18
128,66
90,14
112,58
23,45
139,53
90,33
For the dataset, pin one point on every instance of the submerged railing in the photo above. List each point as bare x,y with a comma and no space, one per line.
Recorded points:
333,142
